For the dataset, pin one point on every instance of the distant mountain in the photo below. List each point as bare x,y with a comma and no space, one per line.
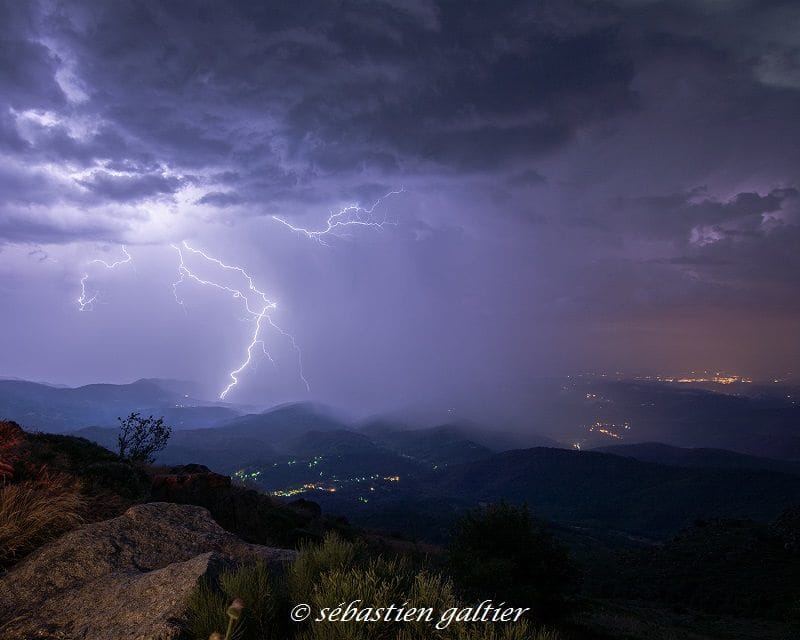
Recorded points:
296,444
42,382
57,409
498,440
186,418
330,443
491,438
236,442
61,409
283,423
699,458
374,476
584,412
716,566
435,446
185,388
614,492
593,411
220,451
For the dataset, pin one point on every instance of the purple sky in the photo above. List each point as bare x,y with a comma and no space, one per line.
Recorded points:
587,185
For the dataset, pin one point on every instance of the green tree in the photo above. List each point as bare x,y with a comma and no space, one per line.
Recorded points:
501,552
141,438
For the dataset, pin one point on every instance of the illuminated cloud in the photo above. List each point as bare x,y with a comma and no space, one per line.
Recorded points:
570,169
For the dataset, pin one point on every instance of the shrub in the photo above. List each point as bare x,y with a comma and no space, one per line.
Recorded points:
476,631
123,478
330,574
206,610
313,561
257,588
263,602
369,585
500,552
11,437
140,438
36,511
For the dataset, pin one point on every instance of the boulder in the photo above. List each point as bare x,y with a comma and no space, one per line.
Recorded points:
127,578
307,507
189,480
250,514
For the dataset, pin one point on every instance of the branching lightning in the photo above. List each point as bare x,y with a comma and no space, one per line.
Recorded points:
84,301
350,215
259,313
255,302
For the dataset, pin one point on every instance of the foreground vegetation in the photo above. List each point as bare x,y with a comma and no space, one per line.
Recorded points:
38,507
50,484
327,575
716,579
34,512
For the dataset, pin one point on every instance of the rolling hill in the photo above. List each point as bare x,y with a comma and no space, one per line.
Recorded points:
699,458
62,409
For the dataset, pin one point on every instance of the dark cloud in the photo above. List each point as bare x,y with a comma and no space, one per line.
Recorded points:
696,261
220,199
468,98
573,163
26,227
54,142
343,87
130,188
682,217
10,140
350,88
27,67
19,186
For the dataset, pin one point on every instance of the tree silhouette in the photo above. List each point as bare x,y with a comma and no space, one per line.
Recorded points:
141,438
500,552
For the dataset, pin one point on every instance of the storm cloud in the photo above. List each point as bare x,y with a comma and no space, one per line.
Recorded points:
570,171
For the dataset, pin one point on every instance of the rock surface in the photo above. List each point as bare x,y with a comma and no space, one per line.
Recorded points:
127,578
252,515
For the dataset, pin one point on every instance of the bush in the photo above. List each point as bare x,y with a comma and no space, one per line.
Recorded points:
122,478
206,610
331,574
515,631
500,552
11,438
261,594
140,438
36,511
313,561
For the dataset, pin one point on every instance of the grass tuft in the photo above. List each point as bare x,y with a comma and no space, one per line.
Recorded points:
314,560
332,574
206,611
255,586
34,512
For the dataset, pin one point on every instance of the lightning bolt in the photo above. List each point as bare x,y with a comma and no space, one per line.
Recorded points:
350,215
113,265
84,301
255,301
259,312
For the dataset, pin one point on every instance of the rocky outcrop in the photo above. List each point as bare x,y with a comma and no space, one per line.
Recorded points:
127,578
252,515
189,480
